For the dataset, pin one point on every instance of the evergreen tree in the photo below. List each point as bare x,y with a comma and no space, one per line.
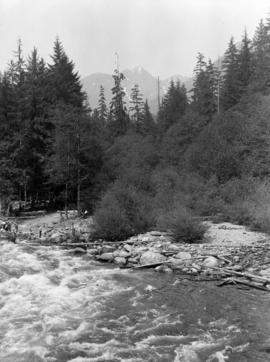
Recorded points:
231,88
205,88
245,65
136,106
261,56
173,106
8,174
102,106
148,125
118,121
65,83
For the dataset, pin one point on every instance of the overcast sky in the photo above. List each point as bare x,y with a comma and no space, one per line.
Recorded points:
163,36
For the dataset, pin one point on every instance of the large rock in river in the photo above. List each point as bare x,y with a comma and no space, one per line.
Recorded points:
106,256
150,257
183,255
210,262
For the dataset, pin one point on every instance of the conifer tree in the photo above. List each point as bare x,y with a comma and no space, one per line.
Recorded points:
148,125
205,87
231,88
261,56
245,65
65,83
136,107
118,118
102,106
173,106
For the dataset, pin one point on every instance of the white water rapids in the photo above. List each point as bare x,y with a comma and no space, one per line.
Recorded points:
59,307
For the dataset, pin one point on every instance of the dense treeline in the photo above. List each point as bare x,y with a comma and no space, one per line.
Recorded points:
205,152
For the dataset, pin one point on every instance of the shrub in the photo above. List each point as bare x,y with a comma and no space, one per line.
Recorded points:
122,212
184,227
110,221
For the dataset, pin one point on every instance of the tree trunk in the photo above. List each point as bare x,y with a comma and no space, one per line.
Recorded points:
66,200
78,198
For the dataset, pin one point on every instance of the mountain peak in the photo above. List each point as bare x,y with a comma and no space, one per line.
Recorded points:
137,69
137,75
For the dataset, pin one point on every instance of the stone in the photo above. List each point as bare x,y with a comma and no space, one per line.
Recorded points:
265,272
163,269
106,256
177,263
155,233
211,262
131,241
146,239
55,235
123,254
172,247
92,251
149,257
128,247
120,260
183,255
79,250
134,260
107,249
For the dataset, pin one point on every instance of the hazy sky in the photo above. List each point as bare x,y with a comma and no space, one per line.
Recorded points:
163,36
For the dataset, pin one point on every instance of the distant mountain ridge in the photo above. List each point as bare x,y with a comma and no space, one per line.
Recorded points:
147,82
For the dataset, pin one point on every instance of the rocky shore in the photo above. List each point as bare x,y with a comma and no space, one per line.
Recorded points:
229,253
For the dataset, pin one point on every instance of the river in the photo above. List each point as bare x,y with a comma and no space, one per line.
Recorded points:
59,307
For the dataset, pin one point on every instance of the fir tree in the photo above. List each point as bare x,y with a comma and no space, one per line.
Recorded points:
65,83
231,88
136,107
173,106
118,118
261,56
102,106
245,65
148,125
205,88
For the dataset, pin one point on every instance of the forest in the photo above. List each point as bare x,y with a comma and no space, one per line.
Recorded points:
206,153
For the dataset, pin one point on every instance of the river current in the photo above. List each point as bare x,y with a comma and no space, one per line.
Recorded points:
59,307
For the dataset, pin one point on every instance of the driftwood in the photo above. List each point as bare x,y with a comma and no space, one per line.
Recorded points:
247,275
244,282
152,265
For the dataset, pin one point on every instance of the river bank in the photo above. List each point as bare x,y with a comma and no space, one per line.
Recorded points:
58,302
230,253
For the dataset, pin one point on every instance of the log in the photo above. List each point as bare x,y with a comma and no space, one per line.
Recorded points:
245,282
152,265
247,275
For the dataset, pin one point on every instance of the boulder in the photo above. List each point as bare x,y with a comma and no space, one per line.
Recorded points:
150,257
134,260
131,240
107,249
163,268
120,260
177,263
146,239
106,256
123,254
172,247
79,250
210,262
183,255
92,251
128,247
155,233
265,273
55,236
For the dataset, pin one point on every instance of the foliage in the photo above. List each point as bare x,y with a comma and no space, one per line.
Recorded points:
184,227
122,212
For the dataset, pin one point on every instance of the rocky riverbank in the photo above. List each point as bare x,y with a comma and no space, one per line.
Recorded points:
230,253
